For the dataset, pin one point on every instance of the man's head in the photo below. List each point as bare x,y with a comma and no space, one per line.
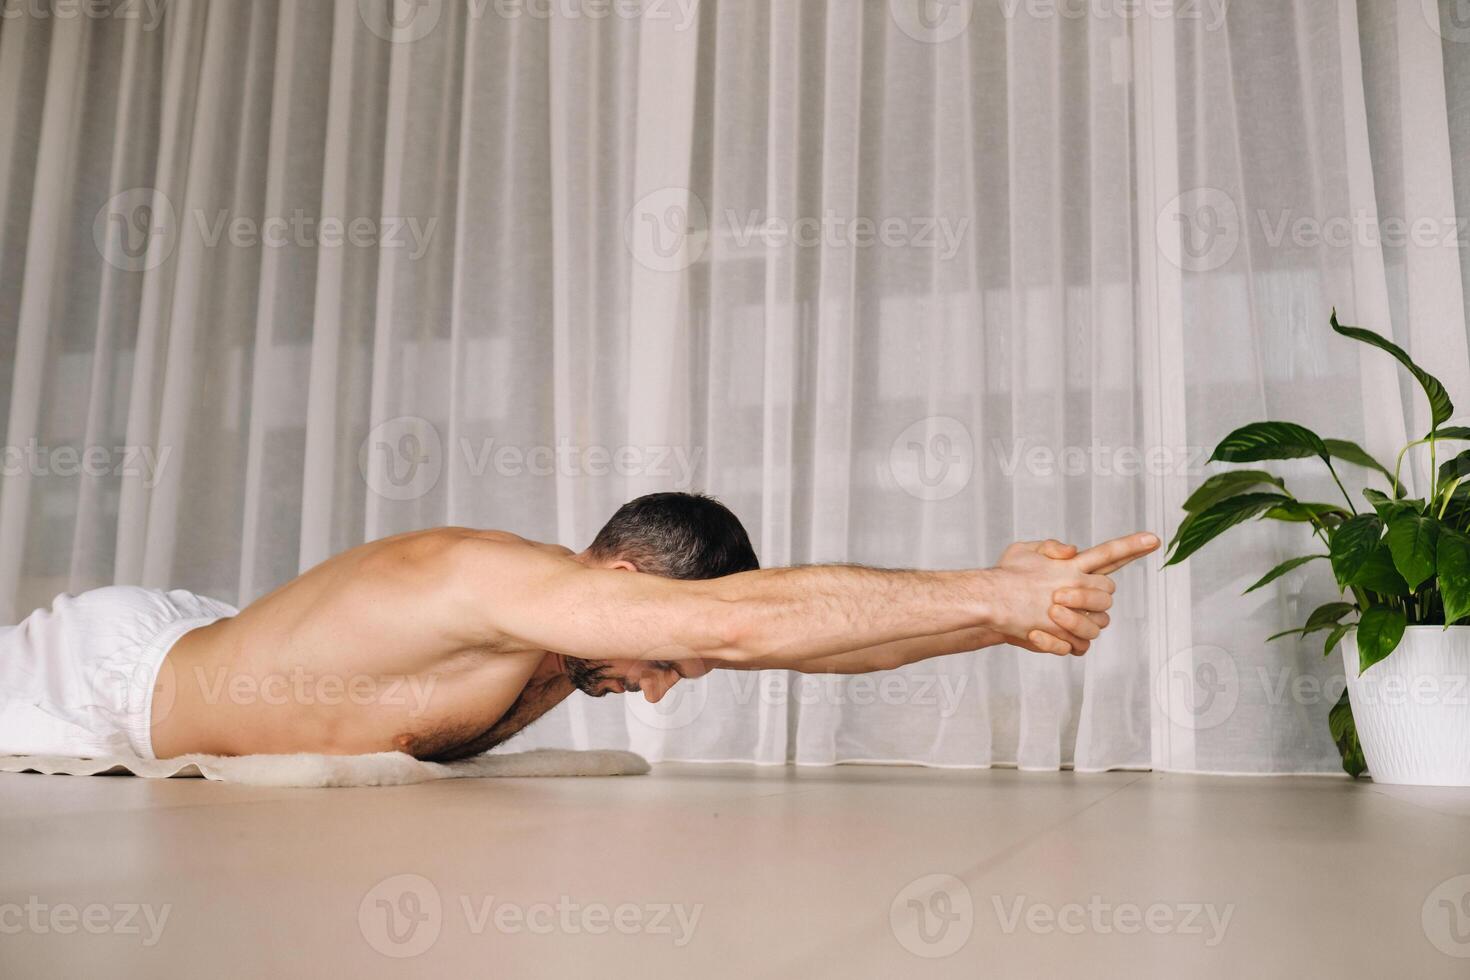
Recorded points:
675,535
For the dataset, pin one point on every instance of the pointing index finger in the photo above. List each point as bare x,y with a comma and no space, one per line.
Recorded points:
1110,556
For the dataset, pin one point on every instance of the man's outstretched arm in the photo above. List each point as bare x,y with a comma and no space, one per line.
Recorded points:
787,615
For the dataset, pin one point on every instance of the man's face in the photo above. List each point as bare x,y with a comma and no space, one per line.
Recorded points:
653,677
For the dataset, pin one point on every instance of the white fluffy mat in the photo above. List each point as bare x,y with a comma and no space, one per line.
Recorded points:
378,769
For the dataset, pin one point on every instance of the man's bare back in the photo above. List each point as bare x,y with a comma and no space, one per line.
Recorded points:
444,643
362,653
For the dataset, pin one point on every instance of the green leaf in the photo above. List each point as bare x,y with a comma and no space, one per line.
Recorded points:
1451,432
1199,529
1387,507
1345,734
1327,615
1268,440
1452,470
1379,631
1453,559
1457,509
1351,452
1298,512
1440,406
1281,570
1322,618
1333,638
1352,544
1223,485
1411,538
1379,575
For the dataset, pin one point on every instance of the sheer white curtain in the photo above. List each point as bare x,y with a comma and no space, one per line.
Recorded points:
901,282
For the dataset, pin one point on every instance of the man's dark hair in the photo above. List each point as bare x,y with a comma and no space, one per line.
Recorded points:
676,535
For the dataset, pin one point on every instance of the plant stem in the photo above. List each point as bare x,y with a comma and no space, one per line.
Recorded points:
1333,470
1399,464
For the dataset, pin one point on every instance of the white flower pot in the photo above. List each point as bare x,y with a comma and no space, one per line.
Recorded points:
1412,709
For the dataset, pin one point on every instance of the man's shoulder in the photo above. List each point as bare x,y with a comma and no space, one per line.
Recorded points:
452,535
457,552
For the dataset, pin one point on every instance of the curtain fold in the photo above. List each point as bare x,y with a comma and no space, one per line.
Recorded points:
901,282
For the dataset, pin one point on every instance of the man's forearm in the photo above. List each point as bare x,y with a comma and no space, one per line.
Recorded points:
884,656
790,616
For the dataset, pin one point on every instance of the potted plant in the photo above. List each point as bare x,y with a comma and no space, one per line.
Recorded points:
1402,567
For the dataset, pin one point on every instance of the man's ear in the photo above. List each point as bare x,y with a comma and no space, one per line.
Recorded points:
623,565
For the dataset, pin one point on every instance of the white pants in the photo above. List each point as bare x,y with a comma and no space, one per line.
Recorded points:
77,679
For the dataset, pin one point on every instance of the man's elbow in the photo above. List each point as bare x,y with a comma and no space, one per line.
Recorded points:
733,631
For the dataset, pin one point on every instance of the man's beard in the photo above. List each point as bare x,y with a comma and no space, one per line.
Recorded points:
587,676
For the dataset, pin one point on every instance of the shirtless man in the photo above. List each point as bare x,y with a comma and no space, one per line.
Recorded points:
445,643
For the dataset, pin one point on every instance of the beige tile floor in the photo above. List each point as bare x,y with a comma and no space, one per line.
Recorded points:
701,871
